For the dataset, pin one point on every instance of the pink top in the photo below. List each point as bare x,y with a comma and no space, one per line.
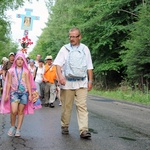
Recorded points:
14,85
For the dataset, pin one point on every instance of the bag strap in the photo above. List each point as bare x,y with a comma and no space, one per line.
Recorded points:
69,49
19,79
35,72
49,68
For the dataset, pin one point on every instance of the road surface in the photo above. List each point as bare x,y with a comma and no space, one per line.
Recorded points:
114,125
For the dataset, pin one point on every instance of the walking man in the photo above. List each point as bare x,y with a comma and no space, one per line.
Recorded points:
74,69
49,79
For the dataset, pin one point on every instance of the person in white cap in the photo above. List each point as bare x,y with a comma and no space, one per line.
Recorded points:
49,78
8,64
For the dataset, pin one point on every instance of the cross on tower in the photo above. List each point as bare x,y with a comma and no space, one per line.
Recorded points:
27,20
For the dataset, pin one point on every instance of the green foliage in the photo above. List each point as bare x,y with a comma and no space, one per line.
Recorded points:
105,26
6,44
137,56
9,4
125,95
7,47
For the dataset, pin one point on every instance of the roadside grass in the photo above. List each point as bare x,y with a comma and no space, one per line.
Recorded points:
126,95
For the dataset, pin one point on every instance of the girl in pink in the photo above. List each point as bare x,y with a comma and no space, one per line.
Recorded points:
17,95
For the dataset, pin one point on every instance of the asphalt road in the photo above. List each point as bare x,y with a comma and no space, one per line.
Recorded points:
114,126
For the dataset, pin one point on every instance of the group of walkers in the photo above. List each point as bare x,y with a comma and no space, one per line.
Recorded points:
69,78
44,74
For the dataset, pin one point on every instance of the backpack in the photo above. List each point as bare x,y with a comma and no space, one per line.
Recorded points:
76,65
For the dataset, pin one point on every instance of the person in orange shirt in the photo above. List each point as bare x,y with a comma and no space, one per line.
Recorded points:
49,78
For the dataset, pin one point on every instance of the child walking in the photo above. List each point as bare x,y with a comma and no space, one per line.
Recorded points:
17,95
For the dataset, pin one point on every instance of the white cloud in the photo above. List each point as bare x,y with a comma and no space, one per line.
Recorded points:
39,9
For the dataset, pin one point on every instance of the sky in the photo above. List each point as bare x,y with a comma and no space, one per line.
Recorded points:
39,9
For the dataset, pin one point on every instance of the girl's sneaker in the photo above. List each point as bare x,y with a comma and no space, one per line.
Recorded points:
11,131
18,134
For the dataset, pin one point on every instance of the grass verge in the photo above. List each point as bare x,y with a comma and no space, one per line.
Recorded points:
128,95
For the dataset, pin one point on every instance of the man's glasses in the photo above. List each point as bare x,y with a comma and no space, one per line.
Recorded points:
74,37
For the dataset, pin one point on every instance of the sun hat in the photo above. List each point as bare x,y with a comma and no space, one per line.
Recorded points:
5,59
48,57
11,53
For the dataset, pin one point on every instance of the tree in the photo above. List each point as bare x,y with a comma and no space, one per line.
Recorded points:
6,44
105,25
137,56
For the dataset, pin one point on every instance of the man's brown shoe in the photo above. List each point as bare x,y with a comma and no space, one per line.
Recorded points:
64,130
85,135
